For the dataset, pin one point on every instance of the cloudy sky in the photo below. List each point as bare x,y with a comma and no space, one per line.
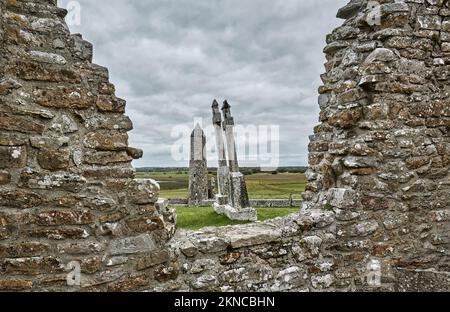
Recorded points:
170,58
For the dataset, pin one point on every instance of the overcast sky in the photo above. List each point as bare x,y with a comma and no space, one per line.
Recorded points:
170,58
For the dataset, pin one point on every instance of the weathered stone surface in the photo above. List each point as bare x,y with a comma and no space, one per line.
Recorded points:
132,245
58,180
47,142
156,258
80,248
345,119
45,73
32,265
20,124
342,198
61,233
63,217
23,249
65,98
106,158
45,57
110,104
15,285
208,241
5,177
130,283
13,157
106,142
349,10
54,159
13,139
144,191
19,199
135,153
145,224
252,236
64,124
7,85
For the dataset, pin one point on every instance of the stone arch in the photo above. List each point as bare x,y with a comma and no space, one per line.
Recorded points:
377,201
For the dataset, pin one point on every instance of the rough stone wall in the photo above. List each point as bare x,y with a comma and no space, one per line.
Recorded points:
66,183
380,157
378,185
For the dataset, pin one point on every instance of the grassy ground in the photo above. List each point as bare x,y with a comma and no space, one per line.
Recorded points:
260,185
194,218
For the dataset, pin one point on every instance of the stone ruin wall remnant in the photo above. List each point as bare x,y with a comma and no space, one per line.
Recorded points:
377,202
67,188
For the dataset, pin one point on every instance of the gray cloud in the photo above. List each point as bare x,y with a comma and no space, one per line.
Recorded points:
170,58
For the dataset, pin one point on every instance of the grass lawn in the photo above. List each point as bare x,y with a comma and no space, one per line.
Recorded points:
194,218
260,185
275,186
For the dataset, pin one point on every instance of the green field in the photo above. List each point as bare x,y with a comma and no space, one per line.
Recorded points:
260,185
194,218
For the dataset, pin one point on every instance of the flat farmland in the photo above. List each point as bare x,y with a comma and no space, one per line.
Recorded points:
260,185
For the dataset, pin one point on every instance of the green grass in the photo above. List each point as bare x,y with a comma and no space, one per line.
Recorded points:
260,186
275,186
194,218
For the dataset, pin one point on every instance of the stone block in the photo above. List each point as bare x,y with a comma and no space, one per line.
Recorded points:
32,265
65,97
63,217
54,159
132,245
17,198
342,198
106,158
15,285
143,191
59,180
130,283
349,10
106,141
23,249
80,248
20,124
252,235
135,153
145,224
5,177
242,214
110,104
61,233
46,73
155,258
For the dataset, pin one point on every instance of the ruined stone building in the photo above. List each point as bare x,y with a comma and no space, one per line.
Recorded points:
376,213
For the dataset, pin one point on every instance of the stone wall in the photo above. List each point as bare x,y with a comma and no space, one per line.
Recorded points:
377,198
66,183
380,157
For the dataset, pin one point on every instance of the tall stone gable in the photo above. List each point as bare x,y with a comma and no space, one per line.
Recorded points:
198,167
